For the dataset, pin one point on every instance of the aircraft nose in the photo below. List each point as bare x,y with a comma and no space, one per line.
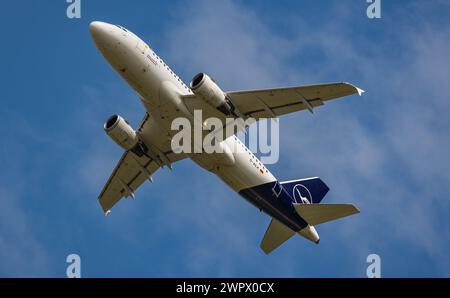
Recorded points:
98,30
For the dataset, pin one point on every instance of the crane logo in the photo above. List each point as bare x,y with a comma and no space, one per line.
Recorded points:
301,194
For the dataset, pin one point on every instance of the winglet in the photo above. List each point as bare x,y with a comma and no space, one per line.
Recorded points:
107,212
359,90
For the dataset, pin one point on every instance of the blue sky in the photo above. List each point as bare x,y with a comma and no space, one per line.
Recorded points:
388,152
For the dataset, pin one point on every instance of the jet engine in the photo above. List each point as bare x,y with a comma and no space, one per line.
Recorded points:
124,135
203,86
121,132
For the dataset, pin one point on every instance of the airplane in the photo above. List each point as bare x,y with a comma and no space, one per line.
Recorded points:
294,206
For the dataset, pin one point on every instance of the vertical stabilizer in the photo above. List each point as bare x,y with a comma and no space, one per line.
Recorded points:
307,190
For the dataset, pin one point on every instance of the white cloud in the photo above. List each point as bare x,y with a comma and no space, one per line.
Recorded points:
21,252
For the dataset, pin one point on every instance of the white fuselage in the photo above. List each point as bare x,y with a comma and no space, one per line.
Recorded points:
161,92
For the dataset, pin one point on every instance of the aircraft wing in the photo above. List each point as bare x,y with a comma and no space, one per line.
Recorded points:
132,170
270,103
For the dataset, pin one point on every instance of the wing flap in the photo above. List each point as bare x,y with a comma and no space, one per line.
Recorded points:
130,172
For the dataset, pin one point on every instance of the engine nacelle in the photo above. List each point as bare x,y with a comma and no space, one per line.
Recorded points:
121,132
203,86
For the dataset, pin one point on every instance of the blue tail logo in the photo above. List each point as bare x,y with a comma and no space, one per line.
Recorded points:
301,194
306,191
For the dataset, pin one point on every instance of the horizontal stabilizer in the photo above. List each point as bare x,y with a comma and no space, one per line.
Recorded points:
276,234
315,214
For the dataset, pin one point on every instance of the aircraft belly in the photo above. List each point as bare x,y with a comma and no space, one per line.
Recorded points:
242,174
276,203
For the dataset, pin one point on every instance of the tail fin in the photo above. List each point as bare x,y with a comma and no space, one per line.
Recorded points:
315,214
311,189
276,234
